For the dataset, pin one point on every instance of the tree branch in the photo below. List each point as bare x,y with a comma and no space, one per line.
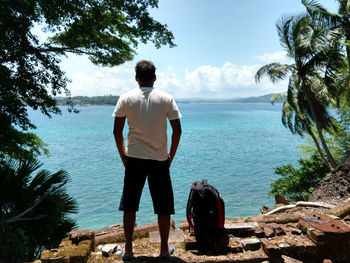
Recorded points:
12,220
19,216
64,49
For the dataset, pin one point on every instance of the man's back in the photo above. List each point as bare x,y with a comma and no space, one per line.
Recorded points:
147,110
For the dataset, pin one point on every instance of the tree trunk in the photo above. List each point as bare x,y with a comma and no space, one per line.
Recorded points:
310,98
325,147
345,164
319,149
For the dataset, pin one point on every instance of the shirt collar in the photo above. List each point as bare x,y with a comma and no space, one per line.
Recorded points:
146,89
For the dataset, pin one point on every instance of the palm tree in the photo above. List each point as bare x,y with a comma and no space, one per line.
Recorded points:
33,209
338,83
339,21
309,45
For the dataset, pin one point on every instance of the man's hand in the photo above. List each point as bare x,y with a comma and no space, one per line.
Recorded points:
175,138
170,159
118,136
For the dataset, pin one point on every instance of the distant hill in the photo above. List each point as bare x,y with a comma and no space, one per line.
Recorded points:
84,100
111,100
260,99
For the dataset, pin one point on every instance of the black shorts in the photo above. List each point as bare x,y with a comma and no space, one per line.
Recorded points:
159,182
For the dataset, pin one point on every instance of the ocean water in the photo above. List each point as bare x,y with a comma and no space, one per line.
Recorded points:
233,145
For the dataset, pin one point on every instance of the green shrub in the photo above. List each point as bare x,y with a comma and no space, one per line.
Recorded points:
298,183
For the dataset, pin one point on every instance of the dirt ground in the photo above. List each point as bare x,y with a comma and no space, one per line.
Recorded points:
333,188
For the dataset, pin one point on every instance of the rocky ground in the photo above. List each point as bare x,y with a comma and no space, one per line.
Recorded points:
299,234
311,232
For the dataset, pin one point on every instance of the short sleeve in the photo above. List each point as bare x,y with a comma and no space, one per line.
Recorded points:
119,110
173,111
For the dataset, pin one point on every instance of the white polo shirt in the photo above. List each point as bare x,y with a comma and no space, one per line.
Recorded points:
147,110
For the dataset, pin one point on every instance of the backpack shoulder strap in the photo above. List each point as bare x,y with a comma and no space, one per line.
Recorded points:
189,208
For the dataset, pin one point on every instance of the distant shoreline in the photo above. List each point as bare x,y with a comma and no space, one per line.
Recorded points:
111,100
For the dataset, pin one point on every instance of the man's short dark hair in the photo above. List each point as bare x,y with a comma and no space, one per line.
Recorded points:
145,71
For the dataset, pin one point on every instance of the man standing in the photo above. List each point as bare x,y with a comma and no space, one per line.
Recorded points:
146,155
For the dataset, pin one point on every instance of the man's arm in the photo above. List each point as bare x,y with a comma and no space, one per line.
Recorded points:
175,138
118,136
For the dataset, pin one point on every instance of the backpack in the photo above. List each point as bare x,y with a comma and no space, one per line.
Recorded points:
205,213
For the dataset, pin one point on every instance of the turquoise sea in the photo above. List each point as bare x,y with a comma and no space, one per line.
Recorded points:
233,145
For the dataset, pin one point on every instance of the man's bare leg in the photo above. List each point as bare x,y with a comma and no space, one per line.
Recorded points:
129,224
164,226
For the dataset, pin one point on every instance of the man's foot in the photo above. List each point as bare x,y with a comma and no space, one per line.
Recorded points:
126,256
171,250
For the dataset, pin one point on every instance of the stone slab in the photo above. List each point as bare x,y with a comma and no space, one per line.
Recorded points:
241,229
251,243
175,236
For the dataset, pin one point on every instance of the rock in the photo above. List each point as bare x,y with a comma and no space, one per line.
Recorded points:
191,243
277,229
296,231
251,244
268,231
79,235
264,209
175,236
48,256
259,232
184,225
278,218
109,229
284,246
109,249
236,245
280,200
347,218
342,209
290,260
113,237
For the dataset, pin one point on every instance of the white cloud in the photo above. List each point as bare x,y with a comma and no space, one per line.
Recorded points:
272,57
227,81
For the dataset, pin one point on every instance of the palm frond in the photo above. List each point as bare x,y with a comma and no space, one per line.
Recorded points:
38,205
278,96
283,27
274,71
318,12
344,7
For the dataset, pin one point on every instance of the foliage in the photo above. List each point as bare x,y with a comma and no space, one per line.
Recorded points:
20,145
33,209
297,184
107,31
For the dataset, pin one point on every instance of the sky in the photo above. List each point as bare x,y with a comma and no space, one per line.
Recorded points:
220,46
